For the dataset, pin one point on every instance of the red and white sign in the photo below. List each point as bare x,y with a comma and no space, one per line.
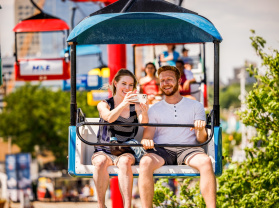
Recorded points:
42,69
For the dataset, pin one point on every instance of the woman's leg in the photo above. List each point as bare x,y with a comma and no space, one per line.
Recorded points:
101,176
125,177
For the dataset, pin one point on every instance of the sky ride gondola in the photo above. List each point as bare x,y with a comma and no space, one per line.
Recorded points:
140,22
33,69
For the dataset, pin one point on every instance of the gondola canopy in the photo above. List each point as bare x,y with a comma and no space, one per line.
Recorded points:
137,24
41,22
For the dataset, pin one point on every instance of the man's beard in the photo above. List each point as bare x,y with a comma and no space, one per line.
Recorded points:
175,89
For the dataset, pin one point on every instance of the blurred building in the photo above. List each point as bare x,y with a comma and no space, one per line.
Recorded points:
236,72
24,9
8,79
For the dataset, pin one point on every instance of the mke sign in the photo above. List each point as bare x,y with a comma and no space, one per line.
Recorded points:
41,67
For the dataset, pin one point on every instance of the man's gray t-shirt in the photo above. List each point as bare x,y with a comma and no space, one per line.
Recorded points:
184,112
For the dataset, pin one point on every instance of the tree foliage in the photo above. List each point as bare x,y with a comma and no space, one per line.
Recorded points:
37,115
253,182
229,95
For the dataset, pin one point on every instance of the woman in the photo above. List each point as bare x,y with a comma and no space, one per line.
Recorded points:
150,83
119,108
169,57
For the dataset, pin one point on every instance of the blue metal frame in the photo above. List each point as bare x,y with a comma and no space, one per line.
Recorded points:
72,156
218,153
71,151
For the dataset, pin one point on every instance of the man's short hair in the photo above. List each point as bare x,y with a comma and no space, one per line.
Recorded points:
184,49
170,68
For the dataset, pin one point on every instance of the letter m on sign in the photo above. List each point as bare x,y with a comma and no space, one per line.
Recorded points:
35,68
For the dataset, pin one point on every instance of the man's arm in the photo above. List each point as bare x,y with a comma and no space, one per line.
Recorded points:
200,131
147,138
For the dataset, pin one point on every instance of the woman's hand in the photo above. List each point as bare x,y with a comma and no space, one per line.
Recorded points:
144,109
142,112
129,98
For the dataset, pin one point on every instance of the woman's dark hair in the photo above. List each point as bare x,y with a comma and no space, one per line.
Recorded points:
117,77
150,63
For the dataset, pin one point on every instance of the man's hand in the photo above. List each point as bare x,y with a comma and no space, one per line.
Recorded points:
200,130
199,125
147,143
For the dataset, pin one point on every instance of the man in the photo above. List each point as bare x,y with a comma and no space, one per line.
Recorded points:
186,80
179,110
185,58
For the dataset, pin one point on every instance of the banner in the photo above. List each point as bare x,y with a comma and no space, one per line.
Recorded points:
41,67
11,172
23,162
18,174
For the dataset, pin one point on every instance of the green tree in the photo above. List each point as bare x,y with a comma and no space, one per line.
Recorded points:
36,115
229,95
253,182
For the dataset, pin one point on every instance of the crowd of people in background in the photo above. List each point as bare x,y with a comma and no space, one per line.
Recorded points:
149,84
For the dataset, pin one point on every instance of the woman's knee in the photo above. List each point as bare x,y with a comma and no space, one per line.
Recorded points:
101,161
125,161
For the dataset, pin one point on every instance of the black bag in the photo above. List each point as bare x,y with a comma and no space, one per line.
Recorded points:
117,150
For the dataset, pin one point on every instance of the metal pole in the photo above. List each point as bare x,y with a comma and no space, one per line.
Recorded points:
73,17
73,83
203,64
16,57
216,106
134,58
36,6
127,6
116,61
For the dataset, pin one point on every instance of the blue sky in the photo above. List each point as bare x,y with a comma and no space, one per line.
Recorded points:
233,19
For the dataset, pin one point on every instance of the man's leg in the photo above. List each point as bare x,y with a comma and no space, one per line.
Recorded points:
101,177
148,164
125,178
203,164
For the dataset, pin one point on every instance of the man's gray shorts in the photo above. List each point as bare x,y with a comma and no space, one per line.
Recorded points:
176,155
